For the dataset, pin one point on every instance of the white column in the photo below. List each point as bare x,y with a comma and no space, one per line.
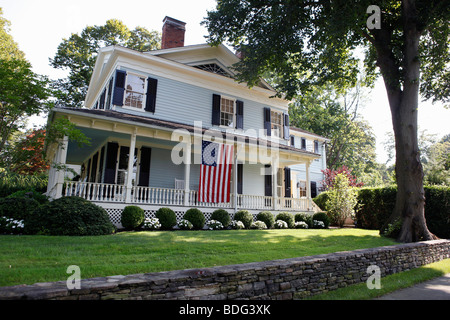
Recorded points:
187,172
274,168
60,160
308,185
129,182
235,177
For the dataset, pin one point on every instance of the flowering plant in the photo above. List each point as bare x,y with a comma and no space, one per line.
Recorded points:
151,224
215,225
318,224
258,225
185,224
10,225
235,224
280,224
301,225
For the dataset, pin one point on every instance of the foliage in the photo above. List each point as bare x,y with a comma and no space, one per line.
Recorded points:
258,225
151,224
286,217
321,216
237,225
304,217
132,217
31,194
437,167
215,225
13,211
221,215
330,176
184,224
71,216
11,182
341,200
78,53
245,217
280,224
8,47
196,217
166,217
301,225
266,217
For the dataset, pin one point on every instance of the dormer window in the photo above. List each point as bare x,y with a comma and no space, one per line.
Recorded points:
135,91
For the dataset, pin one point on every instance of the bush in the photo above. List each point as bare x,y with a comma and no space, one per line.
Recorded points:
286,217
196,217
259,225
237,225
245,217
280,224
11,182
215,225
223,216
437,210
266,217
132,217
72,216
304,217
185,225
167,218
32,194
342,200
301,225
151,224
322,216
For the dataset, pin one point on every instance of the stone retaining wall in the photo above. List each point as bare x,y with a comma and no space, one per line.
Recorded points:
278,279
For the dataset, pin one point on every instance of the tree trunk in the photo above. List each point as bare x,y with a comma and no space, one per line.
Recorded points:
410,201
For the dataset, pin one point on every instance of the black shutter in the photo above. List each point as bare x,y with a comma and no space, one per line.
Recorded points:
144,167
313,189
240,176
267,124
287,182
215,121
286,126
303,144
94,168
111,161
268,183
152,85
102,100
119,88
239,114
292,141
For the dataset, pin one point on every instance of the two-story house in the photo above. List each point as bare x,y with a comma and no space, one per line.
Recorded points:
147,114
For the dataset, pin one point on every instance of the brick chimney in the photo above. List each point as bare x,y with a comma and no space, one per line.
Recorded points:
172,33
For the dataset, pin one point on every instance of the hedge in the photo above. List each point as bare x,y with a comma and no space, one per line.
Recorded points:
375,205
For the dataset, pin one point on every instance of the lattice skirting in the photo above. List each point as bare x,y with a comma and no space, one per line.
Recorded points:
114,211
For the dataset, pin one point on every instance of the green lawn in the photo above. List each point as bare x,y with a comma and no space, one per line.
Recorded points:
31,259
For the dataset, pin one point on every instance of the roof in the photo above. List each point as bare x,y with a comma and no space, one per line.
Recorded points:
168,125
309,133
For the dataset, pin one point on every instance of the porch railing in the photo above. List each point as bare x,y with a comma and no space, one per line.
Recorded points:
101,192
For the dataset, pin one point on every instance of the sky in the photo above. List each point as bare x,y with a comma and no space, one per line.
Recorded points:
39,26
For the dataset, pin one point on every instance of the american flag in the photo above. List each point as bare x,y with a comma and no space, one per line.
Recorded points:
215,172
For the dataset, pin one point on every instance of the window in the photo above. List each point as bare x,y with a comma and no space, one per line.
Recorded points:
276,124
303,143
135,91
226,112
301,188
316,146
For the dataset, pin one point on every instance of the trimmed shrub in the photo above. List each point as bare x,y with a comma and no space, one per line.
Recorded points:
196,217
266,217
322,216
132,217
286,217
245,217
32,194
72,216
258,225
304,217
223,216
167,218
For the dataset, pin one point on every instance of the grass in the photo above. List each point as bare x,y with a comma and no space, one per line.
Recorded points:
388,284
31,259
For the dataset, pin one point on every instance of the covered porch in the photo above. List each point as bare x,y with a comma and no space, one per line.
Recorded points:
131,162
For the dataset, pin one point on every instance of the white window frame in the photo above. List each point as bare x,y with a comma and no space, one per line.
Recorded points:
272,124
144,95
233,113
302,191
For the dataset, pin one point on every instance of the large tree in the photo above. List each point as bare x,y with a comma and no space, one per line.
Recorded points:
78,53
308,43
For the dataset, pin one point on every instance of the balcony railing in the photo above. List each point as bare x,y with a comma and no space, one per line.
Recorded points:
102,192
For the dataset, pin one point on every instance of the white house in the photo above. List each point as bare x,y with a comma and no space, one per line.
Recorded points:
147,114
